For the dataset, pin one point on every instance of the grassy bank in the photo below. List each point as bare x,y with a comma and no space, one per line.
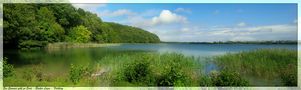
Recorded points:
168,69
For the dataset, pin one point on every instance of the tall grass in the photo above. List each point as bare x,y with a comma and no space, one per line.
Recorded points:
263,63
151,69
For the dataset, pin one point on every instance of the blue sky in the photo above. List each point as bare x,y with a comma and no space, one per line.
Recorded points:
205,22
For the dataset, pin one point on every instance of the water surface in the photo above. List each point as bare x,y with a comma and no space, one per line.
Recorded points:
60,59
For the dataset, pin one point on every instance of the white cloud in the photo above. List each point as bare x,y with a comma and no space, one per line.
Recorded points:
191,33
282,28
269,32
185,29
120,12
241,24
242,38
179,10
157,18
167,17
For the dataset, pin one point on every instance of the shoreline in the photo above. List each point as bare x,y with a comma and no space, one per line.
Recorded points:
61,45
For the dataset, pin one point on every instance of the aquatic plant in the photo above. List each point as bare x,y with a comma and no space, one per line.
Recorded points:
262,63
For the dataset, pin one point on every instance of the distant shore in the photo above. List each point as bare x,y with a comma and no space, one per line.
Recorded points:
242,42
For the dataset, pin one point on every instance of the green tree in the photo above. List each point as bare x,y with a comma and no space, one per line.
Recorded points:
79,34
50,30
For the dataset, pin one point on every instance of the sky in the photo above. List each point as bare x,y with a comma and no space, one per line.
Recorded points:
204,22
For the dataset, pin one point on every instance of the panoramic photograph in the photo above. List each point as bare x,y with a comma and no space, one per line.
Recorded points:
150,45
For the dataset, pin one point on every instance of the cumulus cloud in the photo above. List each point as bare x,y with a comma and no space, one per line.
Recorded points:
167,17
241,24
179,10
120,12
158,18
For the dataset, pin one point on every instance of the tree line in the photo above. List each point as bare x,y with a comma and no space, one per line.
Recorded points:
243,42
36,25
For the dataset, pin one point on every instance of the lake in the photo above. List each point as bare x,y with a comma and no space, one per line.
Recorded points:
60,59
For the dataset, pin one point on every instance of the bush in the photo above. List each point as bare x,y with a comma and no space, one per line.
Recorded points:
205,81
76,73
137,71
172,78
228,78
289,75
79,34
8,69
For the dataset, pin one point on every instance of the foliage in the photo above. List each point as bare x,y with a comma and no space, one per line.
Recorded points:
289,75
76,73
8,69
118,32
205,81
228,78
223,78
147,69
24,23
29,44
79,34
137,71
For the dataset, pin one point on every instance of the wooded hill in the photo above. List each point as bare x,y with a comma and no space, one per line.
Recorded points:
36,25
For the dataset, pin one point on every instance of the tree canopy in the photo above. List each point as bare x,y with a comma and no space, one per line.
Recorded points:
31,25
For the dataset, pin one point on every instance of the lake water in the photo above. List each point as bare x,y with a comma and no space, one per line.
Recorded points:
88,55
60,59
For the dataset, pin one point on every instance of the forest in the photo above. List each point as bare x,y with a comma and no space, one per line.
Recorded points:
36,25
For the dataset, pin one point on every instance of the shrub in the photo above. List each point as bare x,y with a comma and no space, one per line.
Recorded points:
78,72
137,71
79,34
289,75
8,69
172,78
205,81
228,78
